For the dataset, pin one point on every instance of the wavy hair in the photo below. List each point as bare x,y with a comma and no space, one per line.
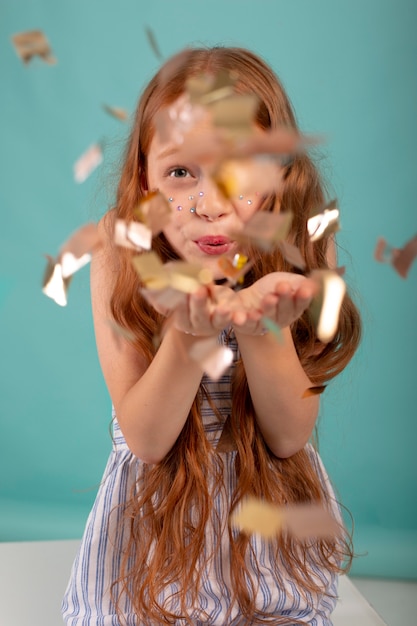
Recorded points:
168,512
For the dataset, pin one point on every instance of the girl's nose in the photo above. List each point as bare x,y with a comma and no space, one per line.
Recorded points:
211,204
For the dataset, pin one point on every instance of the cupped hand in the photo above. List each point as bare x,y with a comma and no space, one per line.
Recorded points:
282,297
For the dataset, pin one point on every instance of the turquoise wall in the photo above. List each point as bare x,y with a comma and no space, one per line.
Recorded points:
350,70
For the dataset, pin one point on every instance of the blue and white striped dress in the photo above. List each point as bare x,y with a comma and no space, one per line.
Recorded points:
88,602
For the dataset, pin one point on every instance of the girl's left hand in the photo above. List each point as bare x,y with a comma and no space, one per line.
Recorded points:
280,296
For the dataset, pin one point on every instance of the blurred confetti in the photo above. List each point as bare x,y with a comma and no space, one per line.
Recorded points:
88,162
154,211
182,276
313,391
326,304
153,43
324,222
302,521
400,258
265,230
118,113
212,358
134,235
33,43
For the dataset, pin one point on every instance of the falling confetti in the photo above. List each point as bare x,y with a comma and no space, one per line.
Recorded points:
134,235
33,43
302,521
88,162
180,275
235,177
153,43
313,391
118,113
324,222
400,258
154,211
212,358
266,230
326,304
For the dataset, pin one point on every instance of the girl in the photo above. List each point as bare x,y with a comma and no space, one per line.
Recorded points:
158,547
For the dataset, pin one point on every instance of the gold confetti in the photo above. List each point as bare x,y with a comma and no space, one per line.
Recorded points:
235,114
33,43
153,43
87,163
313,391
54,285
133,235
281,141
302,521
235,270
154,211
292,254
325,306
258,516
324,222
260,175
212,358
180,275
207,88
117,112
265,230
78,248
400,258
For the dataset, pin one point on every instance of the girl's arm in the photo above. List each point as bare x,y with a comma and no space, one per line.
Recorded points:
275,376
152,401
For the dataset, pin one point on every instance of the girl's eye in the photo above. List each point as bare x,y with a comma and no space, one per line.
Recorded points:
179,172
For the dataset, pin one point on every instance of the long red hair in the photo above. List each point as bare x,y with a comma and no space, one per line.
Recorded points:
168,514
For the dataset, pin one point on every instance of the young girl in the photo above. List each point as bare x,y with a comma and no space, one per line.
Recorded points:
158,546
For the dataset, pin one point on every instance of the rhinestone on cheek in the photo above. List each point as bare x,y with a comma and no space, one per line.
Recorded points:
179,208
201,194
192,210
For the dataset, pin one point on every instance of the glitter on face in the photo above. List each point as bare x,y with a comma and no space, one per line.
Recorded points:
191,197
240,197
170,199
201,194
192,210
179,208
249,201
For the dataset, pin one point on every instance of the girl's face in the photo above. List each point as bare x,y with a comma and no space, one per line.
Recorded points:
203,223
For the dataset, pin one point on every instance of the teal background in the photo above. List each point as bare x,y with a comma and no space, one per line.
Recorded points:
350,70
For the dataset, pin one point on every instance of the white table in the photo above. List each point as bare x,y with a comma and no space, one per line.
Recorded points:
33,577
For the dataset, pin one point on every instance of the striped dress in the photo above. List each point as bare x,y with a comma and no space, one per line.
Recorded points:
87,600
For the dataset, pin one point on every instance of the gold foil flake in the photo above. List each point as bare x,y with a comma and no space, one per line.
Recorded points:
235,270
282,141
247,176
400,258
325,306
266,230
33,43
153,43
133,235
292,254
117,112
323,222
308,521
54,285
119,332
258,516
235,114
172,123
208,88
154,211
77,250
212,358
302,521
181,276
313,391
87,163
151,270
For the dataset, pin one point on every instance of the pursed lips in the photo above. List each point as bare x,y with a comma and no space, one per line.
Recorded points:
214,244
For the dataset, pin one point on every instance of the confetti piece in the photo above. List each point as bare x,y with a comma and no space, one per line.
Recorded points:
153,43
87,163
207,88
33,43
133,235
54,285
118,113
258,516
313,391
212,358
235,114
326,304
236,177
281,141
166,299
235,270
154,211
265,230
302,521
292,254
119,332
182,276
78,248
324,222
400,258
